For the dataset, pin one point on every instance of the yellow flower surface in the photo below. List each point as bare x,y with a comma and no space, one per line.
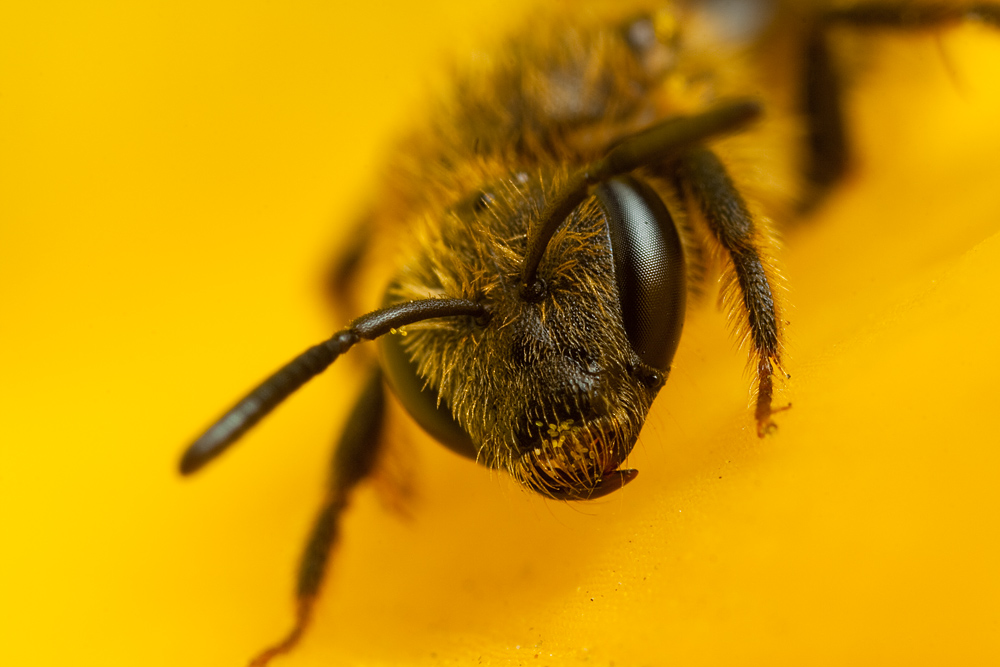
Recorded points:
173,182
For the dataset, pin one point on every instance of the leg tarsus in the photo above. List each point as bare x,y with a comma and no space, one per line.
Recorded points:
765,392
764,411
766,370
302,617
767,426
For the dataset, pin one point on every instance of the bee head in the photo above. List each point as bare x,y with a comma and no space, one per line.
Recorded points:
555,386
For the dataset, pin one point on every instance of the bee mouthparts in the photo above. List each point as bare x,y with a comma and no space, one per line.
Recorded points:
610,483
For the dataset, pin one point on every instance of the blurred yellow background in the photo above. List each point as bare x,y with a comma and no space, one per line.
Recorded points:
173,179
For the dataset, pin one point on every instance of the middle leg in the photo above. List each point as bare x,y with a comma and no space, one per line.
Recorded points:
822,102
353,461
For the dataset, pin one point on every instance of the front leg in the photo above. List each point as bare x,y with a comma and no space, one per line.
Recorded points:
749,276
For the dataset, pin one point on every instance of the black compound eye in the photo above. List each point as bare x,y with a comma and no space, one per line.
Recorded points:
433,416
649,268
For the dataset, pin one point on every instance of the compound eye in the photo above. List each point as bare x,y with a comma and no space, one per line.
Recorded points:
422,404
649,268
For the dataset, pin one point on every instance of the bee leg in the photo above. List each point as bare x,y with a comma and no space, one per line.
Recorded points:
822,91
708,187
911,15
344,269
353,460
826,135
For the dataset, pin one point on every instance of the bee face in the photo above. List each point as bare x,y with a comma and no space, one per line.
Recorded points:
552,389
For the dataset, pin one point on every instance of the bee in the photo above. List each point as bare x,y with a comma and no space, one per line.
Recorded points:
551,217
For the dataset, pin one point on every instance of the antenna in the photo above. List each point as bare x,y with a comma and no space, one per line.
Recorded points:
258,403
